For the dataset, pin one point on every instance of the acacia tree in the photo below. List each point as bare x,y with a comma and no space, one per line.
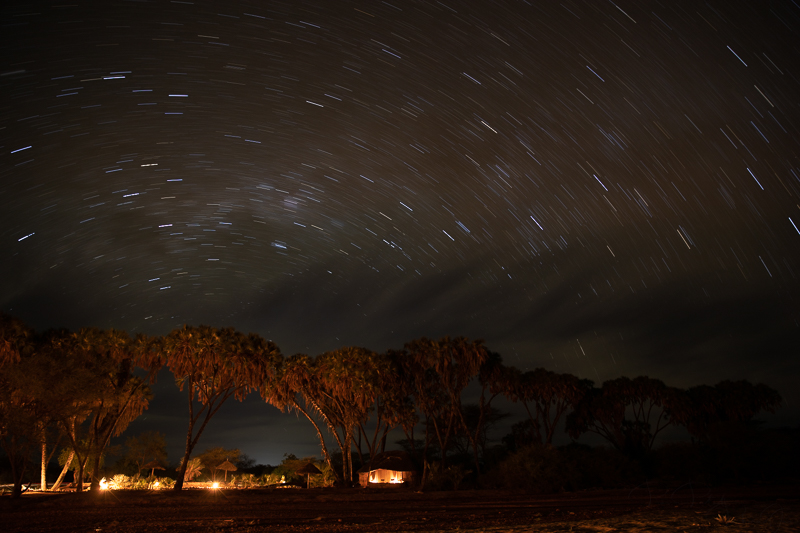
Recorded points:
213,365
74,392
628,413
122,396
703,408
107,397
349,385
392,406
429,398
42,388
462,440
14,337
546,396
439,371
146,447
21,414
293,384
211,458
491,379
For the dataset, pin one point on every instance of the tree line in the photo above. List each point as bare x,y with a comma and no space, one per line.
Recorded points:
81,388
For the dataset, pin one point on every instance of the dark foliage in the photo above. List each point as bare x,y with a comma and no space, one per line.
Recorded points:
546,469
351,389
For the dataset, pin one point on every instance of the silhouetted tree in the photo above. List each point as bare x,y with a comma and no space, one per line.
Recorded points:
704,407
439,371
478,423
15,339
144,448
476,418
22,414
392,405
523,433
547,396
628,413
211,458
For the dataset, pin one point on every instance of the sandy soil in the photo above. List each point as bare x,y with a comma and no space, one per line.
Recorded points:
769,509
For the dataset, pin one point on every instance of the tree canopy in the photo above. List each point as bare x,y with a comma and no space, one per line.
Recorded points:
84,387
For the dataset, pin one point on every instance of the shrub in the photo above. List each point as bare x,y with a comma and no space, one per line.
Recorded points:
545,469
120,481
165,482
449,478
734,453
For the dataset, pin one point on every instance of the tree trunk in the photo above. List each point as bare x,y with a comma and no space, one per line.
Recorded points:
16,490
331,429
476,441
348,437
79,473
188,451
95,486
360,453
64,471
43,478
477,461
424,453
442,444
17,469
325,453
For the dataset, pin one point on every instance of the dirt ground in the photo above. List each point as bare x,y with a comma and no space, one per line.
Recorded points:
768,509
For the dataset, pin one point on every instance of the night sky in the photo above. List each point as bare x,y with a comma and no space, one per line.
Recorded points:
601,188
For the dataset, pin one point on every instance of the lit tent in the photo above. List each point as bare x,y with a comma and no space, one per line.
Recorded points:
388,468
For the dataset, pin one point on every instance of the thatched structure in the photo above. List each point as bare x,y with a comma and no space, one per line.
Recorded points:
309,470
227,466
152,466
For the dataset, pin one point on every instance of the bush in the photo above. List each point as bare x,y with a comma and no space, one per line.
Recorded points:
734,454
544,469
449,478
120,481
165,482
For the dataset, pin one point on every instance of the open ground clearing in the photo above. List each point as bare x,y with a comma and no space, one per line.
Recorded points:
772,509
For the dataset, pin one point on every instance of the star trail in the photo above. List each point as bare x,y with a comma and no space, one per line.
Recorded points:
602,188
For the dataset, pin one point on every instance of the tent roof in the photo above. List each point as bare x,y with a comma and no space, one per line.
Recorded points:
396,460
227,465
310,468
